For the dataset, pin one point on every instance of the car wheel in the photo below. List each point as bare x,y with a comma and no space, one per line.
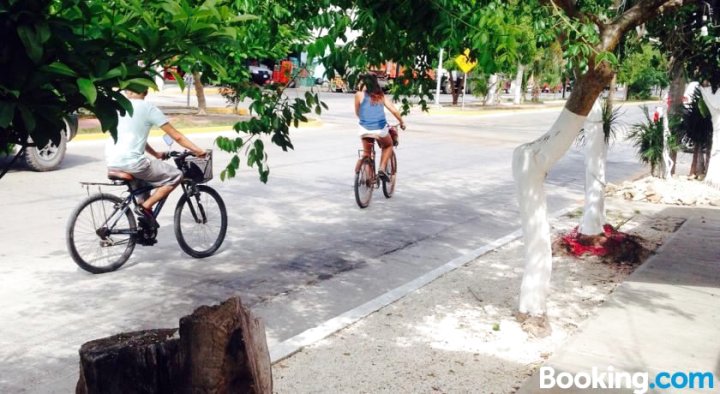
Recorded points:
47,158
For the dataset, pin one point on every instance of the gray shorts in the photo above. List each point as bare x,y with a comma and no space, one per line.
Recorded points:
155,172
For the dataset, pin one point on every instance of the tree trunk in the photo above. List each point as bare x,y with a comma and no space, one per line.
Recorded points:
454,87
220,349
593,217
677,87
160,77
712,100
531,163
666,164
200,92
706,161
518,84
611,92
694,164
491,96
676,92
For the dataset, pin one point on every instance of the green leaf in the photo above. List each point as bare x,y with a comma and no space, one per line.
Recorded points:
60,68
7,111
123,101
27,118
136,82
113,73
106,111
33,46
180,80
87,89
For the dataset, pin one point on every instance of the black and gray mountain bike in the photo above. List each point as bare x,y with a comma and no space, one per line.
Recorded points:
102,231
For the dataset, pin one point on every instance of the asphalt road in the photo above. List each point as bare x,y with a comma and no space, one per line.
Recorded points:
298,250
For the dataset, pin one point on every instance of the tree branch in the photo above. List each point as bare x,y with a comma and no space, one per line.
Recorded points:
636,15
571,10
566,5
645,10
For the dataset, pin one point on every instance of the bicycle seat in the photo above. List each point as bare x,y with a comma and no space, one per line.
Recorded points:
116,175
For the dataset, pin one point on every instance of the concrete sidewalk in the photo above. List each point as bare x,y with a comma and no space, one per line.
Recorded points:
664,317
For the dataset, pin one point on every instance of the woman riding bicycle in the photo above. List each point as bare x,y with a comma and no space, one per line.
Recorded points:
370,104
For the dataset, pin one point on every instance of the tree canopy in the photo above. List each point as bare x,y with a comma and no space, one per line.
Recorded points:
58,56
62,55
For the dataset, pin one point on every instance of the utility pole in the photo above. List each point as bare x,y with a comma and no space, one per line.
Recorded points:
438,79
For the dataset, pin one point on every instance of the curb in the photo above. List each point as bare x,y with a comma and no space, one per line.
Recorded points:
497,110
174,90
311,123
489,111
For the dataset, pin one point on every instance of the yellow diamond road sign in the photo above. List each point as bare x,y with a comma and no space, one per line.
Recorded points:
463,61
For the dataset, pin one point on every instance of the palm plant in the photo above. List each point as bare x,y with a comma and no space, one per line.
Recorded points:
611,120
647,137
611,123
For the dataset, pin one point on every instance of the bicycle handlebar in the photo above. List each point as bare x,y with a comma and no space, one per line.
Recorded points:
180,155
394,126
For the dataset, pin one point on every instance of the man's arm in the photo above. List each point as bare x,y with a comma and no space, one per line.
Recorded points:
181,139
149,149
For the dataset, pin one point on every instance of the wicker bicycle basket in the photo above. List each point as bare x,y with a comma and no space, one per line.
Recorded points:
199,169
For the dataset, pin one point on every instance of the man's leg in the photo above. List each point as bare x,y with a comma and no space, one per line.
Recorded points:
163,175
160,193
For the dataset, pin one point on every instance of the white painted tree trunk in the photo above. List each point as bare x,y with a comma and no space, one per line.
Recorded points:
667,162
531,162
593,217
491,97
712,101
159,78
518,84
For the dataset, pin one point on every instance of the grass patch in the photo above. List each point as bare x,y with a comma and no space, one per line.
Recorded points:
184,122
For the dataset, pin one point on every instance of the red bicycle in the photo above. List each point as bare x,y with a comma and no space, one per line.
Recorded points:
367,178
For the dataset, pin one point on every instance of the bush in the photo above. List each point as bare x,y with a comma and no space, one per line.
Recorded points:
647,137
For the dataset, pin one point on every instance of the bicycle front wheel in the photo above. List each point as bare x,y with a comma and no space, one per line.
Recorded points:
200,222
391,171
364,183
100,236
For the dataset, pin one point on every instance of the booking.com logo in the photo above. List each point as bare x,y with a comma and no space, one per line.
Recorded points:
640,382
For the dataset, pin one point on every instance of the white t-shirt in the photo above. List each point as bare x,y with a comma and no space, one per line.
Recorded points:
132,135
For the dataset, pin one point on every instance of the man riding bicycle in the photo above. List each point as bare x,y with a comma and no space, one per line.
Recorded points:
127,153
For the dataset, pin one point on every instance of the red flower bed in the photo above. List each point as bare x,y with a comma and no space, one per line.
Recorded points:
596,245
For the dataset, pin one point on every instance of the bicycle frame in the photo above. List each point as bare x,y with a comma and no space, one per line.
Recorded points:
187,186
131,199
368,154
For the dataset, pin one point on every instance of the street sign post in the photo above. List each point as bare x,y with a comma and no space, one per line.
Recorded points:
463,61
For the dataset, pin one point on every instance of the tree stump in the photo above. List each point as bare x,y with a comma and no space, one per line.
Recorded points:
218,349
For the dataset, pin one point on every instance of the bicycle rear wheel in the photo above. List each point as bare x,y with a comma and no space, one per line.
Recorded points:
101,238
200,222
364,183
391,171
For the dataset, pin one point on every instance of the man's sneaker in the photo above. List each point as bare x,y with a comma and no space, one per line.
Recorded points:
145,216
382,175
